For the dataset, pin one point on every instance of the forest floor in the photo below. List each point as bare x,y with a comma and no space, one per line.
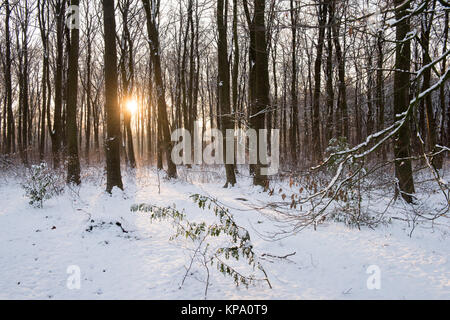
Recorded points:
136,259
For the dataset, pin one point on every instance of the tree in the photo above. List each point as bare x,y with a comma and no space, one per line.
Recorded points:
317,141
236,61
89,34
151,11
112,144
427,103
43,18
380,99
402,147
342,123
329,78
445,136
56,134
294,84
262,87
10,135
259,87
224,82
23,13
127,77
251,74
73,166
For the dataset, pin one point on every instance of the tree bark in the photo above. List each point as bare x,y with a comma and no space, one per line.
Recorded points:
10,135
427,103
114,178
380,99
127,79
294,85
73,168
56,133
317,141
224,83
342,124
261,98
402,142
329,79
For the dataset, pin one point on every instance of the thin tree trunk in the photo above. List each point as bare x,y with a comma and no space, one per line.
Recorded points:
445,136
163,121
294,84
10,139
317,141
342,123
427,22
127,52
329,81
380,89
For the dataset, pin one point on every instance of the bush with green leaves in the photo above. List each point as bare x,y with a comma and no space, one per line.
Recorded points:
237,239
41,184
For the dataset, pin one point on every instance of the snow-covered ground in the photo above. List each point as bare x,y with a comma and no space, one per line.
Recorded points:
79,228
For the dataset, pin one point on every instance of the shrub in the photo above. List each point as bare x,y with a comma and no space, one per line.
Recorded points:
237,239
335,147
41,184
349,196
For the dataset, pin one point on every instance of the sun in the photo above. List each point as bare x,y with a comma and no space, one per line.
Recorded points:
132,106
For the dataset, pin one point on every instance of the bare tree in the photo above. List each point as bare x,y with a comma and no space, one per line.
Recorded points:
10,135
261,102
224,81
73,166
151,11
112,144
317,141
403,169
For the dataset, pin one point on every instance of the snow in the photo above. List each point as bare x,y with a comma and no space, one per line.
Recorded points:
80,229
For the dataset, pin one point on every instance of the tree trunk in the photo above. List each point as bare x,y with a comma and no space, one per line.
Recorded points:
402,142
10,135
56,132
317,141
431,142
114,178
127,53
329,80
236,56
163,121
261,98
223,87
73,168
445,136
370,113
23,83
294,84
380,89
342,123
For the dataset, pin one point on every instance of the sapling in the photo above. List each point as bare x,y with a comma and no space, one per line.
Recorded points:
237,239
41,184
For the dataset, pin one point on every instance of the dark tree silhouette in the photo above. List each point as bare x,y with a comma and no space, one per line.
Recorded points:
112,144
